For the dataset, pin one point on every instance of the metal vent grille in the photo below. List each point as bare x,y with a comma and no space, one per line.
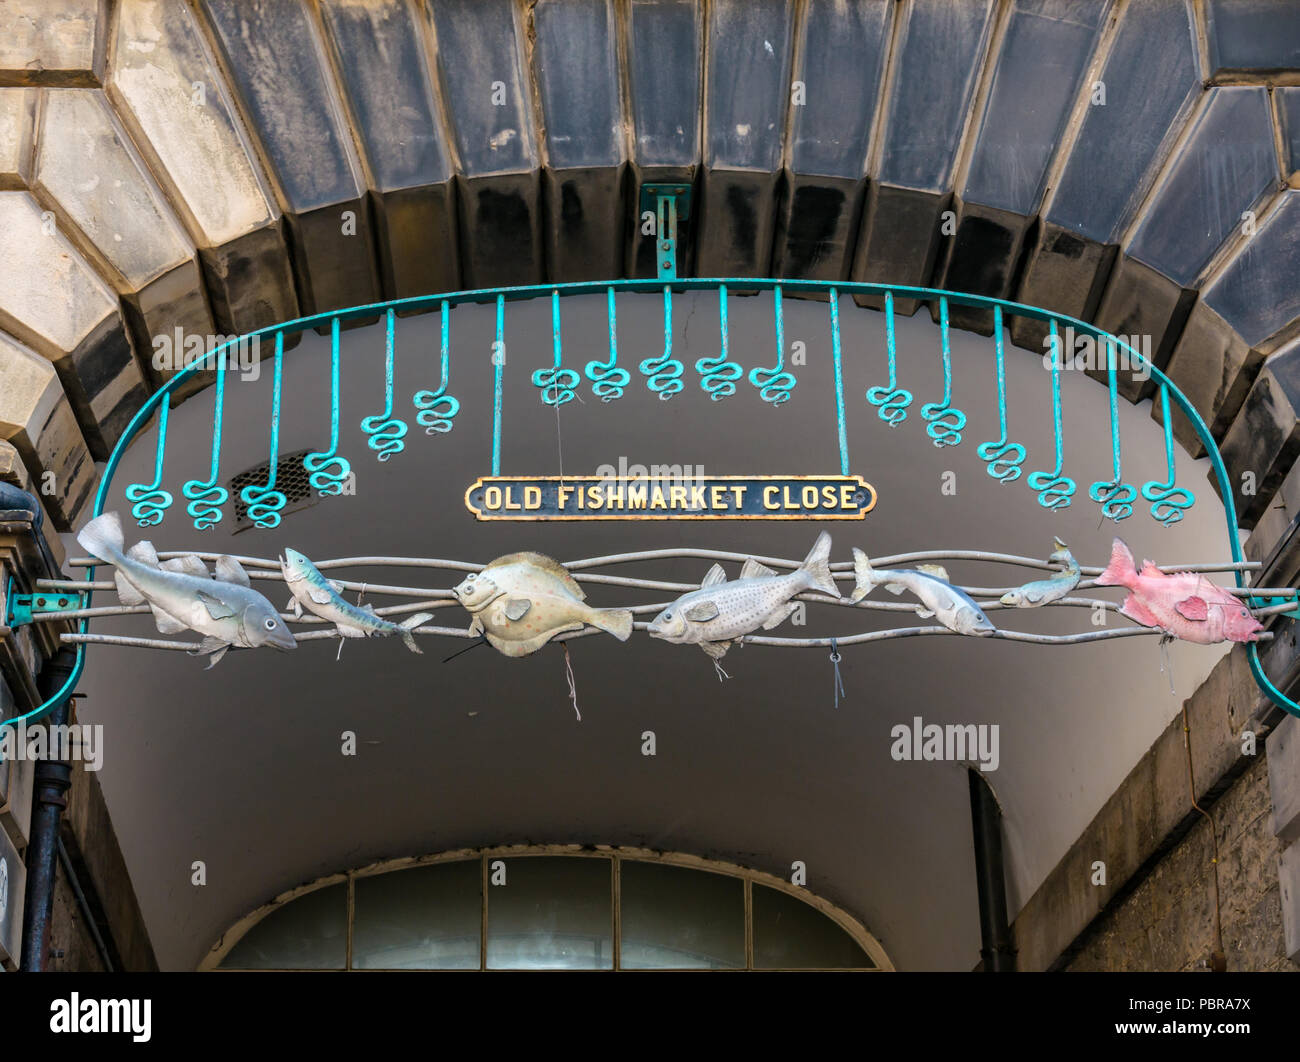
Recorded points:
290,480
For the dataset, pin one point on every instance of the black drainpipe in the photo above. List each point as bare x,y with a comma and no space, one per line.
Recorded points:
52,780
986,825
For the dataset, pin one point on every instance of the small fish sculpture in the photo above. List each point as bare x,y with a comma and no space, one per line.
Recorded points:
522,600
952,607
1044,591
322,597
720,613
182,596
1185,605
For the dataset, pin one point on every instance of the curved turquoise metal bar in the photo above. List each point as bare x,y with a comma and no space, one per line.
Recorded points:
500,296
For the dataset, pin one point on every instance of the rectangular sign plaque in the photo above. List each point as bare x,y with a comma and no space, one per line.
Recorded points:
687,498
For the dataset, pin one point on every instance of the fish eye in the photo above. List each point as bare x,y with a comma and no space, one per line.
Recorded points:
1244,612
270,624
668,615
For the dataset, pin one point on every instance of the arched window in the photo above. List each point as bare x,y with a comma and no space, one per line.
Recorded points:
549,908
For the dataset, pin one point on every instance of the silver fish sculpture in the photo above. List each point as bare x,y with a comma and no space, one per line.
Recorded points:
1044,591
720,612
522,600
952,607
182,596
321,597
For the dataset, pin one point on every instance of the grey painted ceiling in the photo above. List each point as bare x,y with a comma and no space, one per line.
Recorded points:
241,767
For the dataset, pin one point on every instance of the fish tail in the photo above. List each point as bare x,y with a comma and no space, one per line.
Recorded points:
615,621
103,537
1121,571
863,574
818,566
407,626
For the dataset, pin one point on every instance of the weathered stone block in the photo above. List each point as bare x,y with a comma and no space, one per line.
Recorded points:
176,105
17,130
899,242
52,301
11,920
586,223
981,259
52,42
1214,368
1262,444
14,470
35,418
1288,875
1284,780
1141,304
735,223
1063,272
817,227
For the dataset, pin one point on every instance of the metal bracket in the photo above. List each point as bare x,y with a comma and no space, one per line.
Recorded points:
671,203
24,608
1269,602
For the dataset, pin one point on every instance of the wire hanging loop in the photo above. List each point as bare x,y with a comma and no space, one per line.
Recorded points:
1002,457
327,471
775,384
437,408
556,384
607,379
664,372
150,501
838,686
945,422
264,503
1054,489
1115,496
1170,502
891,401
386,432
204,496
719,375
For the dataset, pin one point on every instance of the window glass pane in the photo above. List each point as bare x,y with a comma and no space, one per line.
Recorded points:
792,935
678,918
552,913
309,933
425,918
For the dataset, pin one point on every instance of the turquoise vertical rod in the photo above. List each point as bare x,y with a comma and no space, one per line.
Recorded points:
264,503
775,384
1054,489
1116,496
206,498
150,502
839,381
607,379
499,364
719,375
437,408
892,401
385,431
328,471
1170,502
1002,457
945,422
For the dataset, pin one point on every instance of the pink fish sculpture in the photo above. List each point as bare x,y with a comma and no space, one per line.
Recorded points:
1185,604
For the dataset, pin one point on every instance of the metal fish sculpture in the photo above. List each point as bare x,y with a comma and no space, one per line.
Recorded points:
720,613
952,607
321,597
182,596
1044,591
522,600
1185,605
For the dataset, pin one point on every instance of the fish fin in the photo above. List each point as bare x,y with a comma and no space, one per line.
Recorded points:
144,553
214,647
702,611
407,626
717,650
714,576
476,625
895,588
818,566
1149,569
319,594
1033,597
1138,612
166,624
780,615
126,593
187,565
925,613
863,575
755,569
348,631
230,570
615,621
1193,608
217,608
937,571
510,647
336,586
102,536
548,564
517,608
294,606
1121,571
1056,541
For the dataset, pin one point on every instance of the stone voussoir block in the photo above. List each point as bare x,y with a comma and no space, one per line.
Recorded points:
52,42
